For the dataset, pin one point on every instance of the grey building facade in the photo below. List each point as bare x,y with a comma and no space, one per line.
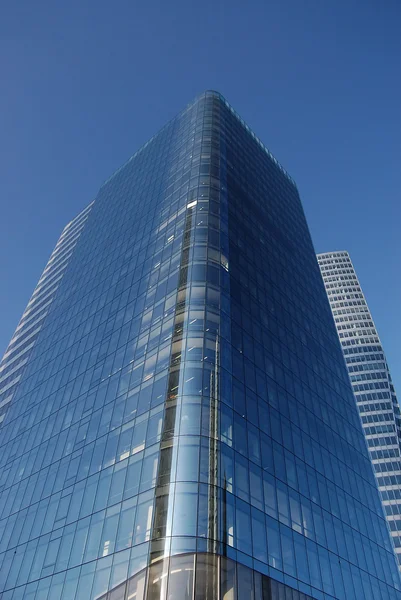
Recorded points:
370,378
177,418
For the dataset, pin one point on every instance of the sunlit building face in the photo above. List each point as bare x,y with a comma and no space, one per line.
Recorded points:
177,420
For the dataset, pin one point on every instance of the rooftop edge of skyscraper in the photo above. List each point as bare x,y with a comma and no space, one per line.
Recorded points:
198,97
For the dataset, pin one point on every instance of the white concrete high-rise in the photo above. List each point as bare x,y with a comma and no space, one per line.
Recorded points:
370,378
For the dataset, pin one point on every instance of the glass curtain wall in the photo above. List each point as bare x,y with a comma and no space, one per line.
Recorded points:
184,426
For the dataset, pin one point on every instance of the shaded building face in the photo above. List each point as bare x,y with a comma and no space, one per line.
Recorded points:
370,378
182,425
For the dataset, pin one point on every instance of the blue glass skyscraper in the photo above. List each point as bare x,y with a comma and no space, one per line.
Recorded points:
177,418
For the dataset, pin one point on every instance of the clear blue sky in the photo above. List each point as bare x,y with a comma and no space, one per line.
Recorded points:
84,84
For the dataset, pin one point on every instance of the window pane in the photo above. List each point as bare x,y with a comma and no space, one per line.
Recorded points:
157,584
206,577
181,578
227,579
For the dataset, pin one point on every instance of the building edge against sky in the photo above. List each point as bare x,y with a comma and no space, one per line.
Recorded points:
176,417
370,378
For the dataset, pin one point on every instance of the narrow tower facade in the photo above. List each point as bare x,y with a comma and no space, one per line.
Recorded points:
370,378
183,426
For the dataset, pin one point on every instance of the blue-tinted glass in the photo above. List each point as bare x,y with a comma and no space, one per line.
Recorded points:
175,415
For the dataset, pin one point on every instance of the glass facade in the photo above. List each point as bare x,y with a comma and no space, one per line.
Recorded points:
370,378
183,426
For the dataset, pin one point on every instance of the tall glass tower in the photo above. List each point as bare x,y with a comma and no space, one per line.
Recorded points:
370,378
177,418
